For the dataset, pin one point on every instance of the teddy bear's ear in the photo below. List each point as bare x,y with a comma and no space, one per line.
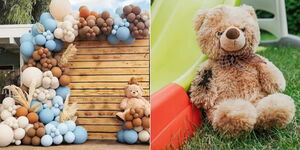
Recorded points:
199,19
250,10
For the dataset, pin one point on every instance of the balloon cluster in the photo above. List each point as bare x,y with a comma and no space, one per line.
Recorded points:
67,30
136,127
34,134
42,35
91,24
68,132
42,98
139,21
120,32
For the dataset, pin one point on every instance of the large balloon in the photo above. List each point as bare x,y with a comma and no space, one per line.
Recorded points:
27,48
112,39
123,33
45,16
26,37
60,8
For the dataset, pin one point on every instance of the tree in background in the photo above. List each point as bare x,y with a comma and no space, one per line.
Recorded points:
22,11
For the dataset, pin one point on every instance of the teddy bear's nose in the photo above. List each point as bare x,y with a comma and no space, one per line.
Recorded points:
232,33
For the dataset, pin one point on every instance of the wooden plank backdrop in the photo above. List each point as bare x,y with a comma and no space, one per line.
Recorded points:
99,72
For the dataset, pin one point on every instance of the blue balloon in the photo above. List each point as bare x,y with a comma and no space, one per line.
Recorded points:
130,40
49,24
46,140
26,37
40,39
33,102
120,136
69,137
80,135
63,128
71,125
46,116
130,136
59,45
45,16
56,118
58,139
123,33
118,21
51,45
119,11
58,100
55,123
112,39
63,91
49,127
56,111
27,48
34,30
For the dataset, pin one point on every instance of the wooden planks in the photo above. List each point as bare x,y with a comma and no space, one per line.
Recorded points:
99,73
109,71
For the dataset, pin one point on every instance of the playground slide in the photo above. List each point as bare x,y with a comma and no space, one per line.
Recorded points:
175,56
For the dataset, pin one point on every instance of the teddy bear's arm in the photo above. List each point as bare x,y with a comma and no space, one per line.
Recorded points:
123,104
271,78
202,94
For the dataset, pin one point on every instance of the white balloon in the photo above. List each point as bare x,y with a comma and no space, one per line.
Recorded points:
31,74
69,38
60,8
144,136
19,134
8,101
58,33
6,136
23,121
5,114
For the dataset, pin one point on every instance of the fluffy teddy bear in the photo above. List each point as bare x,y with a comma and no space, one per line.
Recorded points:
238,89
134,99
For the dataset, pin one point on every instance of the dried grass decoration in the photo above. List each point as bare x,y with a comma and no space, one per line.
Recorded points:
69,111
24,99
67,54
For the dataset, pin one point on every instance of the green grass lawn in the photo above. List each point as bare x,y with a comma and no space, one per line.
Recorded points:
288,61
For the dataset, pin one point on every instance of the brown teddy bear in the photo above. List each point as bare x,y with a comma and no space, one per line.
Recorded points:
133,99
238,89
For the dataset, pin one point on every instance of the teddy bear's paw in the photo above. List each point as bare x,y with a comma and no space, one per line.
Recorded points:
234,117
276,110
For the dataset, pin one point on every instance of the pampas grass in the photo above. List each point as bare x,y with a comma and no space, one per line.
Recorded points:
23,98
68,53
69,111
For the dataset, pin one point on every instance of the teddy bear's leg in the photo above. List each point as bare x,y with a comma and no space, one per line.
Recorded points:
276,110
121,115
233,117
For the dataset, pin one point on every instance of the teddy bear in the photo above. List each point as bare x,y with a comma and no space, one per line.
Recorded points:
134,99
238,89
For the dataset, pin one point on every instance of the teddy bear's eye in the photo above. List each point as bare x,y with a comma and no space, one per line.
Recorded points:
243,29
219,33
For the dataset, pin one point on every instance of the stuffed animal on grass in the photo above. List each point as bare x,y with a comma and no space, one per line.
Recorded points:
238,89
133,99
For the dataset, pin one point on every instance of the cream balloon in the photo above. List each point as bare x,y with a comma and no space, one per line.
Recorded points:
32,74
60,8
6,136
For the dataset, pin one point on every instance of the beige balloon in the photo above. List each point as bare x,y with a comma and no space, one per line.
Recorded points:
60,8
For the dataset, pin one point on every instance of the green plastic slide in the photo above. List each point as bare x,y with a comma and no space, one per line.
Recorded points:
175,53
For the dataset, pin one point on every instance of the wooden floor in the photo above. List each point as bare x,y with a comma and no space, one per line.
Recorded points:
90,145
99,72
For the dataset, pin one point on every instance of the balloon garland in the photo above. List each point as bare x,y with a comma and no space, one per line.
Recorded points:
38,112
